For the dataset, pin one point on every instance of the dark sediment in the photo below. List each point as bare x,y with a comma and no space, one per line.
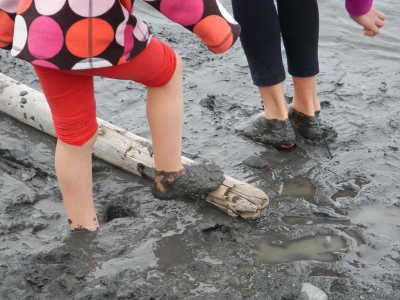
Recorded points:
334,211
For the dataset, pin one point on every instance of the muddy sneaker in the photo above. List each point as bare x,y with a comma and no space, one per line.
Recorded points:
193,179
274,132
308,127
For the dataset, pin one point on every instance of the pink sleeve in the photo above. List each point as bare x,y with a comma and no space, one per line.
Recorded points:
358,7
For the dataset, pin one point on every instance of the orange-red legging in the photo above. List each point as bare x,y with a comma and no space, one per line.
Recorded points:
70,93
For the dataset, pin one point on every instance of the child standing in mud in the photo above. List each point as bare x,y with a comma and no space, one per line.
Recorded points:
69,42
297,22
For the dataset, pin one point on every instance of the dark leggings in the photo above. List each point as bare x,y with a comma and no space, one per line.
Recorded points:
262,26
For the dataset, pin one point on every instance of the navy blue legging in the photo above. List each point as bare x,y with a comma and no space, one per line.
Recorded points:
297,21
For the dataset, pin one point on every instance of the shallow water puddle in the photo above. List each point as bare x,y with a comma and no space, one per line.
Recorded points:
313,221
381,219
295,187
167,251
173,251
277,249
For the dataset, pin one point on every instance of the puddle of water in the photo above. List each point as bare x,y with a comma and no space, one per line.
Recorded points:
313,221
173,251
276,249
298,187
381,219
320,271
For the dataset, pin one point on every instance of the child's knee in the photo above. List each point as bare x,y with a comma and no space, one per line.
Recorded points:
77,133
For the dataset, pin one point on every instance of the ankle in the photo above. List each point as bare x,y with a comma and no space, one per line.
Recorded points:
281,114
91,224
307,110
163,177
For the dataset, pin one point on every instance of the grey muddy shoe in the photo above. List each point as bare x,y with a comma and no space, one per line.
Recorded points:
274,132
307,126
193,179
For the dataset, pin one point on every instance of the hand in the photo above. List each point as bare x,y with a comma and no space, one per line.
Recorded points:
371,21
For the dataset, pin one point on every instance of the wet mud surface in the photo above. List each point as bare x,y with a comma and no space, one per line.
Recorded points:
334,216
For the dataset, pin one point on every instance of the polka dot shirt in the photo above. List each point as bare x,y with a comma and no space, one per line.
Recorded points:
85,34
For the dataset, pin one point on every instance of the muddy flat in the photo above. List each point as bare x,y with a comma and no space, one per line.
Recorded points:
334,216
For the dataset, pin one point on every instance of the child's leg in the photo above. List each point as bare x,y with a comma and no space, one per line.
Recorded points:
165,115
261,41
299,22
71,99
305,95
274,101
74,174
161,70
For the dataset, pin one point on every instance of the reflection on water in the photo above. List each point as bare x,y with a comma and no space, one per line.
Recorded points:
381,219
299,187
314,221
173,251
276,249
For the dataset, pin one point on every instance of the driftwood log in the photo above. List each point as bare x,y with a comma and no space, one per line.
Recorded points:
127,150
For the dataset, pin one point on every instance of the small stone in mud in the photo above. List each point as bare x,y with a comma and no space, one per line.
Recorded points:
311,292
257,162
277,243
23,93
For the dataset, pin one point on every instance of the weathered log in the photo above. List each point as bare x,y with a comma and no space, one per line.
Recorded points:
127,150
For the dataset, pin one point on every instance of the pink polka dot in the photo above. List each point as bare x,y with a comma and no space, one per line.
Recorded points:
182,11
45,38
45,64
129,41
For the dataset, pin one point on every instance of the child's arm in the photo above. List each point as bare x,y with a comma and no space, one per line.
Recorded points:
364,13
206,18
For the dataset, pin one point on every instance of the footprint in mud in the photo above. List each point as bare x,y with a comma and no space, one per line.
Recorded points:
371,229
350,188
379,218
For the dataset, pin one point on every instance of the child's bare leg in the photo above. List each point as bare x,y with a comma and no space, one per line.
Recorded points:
74,173
275,106
305,95
165,116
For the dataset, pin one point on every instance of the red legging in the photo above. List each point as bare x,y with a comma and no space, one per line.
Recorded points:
70,93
